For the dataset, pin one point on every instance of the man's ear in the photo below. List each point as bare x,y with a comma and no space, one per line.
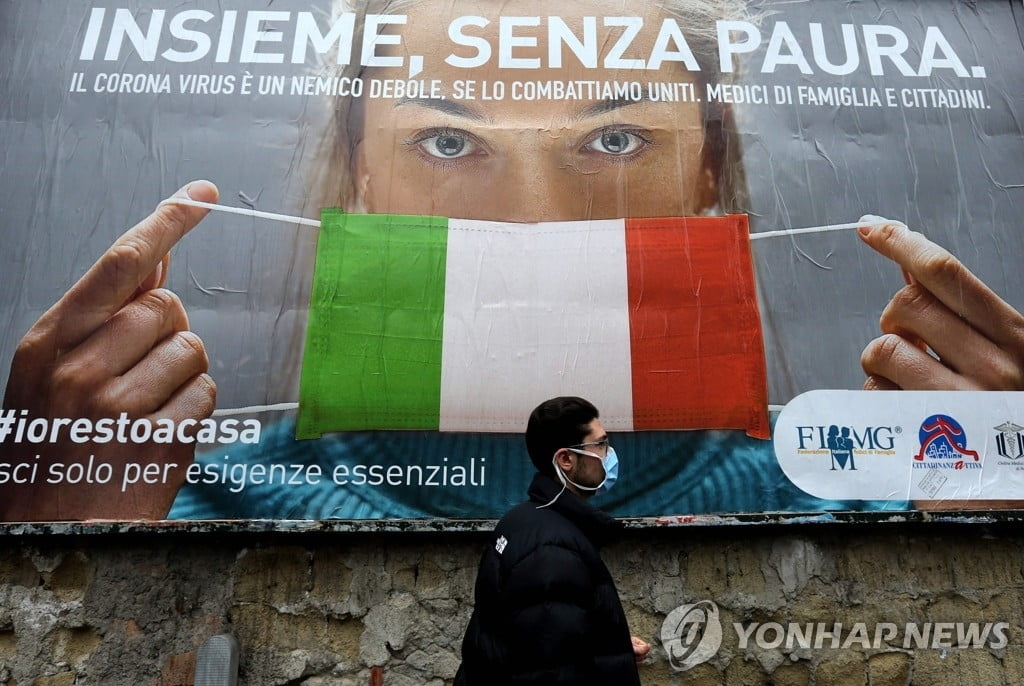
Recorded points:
565,459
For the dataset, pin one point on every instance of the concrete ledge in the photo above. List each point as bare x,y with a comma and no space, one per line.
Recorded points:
306,526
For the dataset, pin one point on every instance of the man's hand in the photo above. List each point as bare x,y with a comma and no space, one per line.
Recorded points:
976,337
641,649
116,342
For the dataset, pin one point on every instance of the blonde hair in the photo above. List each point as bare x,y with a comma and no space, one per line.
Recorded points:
697,18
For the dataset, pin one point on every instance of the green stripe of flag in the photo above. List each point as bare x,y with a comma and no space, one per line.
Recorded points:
373,343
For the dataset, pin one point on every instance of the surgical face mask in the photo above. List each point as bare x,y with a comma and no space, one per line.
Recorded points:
611,471
610,462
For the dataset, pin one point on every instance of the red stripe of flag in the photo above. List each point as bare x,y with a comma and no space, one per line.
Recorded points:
696,341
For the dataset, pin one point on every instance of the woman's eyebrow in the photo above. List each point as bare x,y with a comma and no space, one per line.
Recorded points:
447,106
604,106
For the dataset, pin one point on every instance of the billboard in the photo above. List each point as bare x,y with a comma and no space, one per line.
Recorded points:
777,244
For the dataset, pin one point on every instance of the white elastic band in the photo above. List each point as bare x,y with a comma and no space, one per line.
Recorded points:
819,229
316,223
255,409
242,210
551,502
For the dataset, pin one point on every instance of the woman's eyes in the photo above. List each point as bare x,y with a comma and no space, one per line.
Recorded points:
617,142
444,146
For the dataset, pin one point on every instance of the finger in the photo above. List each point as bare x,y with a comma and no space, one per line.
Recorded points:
907,277
158,277
916,315
938,271
641,649
170,365
903,364
879,383
195,399
129,262
127,337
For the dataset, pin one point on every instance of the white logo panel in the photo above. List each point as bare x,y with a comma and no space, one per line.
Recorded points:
903,445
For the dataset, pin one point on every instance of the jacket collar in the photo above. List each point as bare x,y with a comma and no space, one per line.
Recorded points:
598,526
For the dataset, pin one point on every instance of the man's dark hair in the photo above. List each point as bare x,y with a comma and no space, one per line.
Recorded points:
557,423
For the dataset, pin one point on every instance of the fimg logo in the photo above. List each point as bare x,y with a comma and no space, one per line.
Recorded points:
867,438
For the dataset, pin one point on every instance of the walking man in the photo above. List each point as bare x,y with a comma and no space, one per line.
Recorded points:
546,608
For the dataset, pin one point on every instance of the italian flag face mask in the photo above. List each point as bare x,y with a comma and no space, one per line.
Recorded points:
417,322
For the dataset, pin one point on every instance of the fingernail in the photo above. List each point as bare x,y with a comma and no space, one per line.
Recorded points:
188,188
872,219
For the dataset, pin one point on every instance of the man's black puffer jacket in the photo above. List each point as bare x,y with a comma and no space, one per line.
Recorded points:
547,612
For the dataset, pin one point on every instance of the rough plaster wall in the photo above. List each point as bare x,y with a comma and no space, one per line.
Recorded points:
323,610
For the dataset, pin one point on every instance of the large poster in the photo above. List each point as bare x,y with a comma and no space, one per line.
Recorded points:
319,260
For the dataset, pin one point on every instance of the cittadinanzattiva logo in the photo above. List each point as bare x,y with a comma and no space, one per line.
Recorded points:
692,634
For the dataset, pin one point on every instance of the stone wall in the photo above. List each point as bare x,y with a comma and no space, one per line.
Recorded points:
325,609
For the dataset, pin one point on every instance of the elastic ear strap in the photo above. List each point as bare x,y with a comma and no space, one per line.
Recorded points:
241,210
274,216
880,221
254,409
